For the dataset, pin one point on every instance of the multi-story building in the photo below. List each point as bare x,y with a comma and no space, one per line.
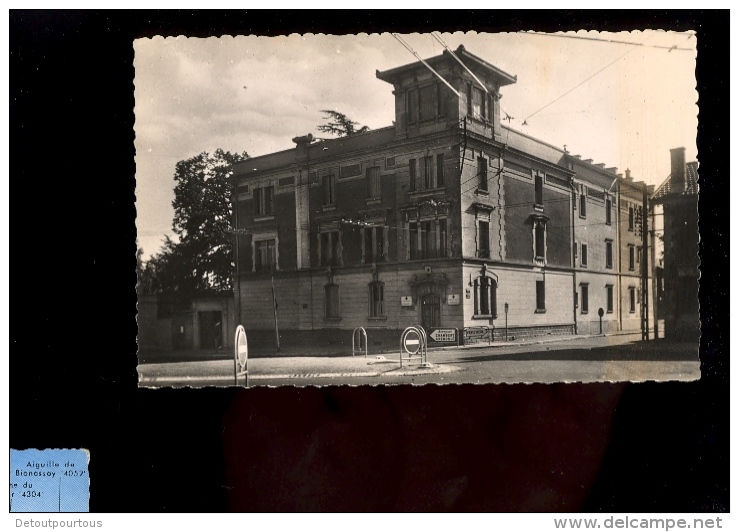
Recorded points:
677,198
446,219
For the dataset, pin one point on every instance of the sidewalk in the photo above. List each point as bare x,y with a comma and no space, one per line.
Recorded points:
301,362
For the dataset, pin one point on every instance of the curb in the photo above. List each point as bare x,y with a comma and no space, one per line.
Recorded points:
397,372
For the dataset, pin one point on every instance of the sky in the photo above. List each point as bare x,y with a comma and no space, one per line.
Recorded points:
619,104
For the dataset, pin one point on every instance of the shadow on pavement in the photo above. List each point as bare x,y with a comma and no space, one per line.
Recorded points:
638,351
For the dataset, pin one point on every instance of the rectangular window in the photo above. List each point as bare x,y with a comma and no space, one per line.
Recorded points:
412,174
632,299
415,253
632,257
332,301
638,254
442,237
389,162
482,173
413,106
485,297
427,102
441,99
423,237
439,170
540,299
329,189
608,211
377,300
373,182
583,201
483,239
584,298
539,189
583,254
609,298
264,200
539,238
264,255
609,254
428,172
429,239
478,103
350,170
258,205
379,249
330,255
631,217
374,244
469,100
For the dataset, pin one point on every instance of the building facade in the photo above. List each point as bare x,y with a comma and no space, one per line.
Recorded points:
447,219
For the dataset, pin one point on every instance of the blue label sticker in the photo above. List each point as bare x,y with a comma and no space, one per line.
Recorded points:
49,480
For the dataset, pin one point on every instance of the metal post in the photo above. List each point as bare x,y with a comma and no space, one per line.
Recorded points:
506,322
274,304
645,264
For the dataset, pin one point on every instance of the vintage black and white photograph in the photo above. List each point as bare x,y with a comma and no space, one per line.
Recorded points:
417,208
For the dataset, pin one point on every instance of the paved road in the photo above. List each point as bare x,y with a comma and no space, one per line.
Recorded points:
581,359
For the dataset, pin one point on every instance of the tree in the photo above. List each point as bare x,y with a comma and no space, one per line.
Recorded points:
340,125
201,258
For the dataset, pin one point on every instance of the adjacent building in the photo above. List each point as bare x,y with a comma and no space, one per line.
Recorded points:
447,219
677,198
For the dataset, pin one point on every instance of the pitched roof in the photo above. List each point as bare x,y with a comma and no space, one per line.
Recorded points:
471,60
691,183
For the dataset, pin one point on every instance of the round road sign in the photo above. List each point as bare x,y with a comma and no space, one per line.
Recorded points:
412,342
242,348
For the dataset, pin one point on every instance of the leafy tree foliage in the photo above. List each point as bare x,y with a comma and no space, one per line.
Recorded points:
339,124
200,257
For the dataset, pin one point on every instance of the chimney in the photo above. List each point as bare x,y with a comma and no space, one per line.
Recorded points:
301,144
677,170
628,176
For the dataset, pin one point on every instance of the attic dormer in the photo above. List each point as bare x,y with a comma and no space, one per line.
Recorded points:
424,104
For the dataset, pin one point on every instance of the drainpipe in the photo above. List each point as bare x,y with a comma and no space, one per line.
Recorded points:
572,251
235,206
618,246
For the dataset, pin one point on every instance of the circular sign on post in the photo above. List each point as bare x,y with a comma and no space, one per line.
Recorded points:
241,346
600,312
412,342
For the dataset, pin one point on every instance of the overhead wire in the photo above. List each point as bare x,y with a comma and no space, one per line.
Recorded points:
580,84
411,50
611,41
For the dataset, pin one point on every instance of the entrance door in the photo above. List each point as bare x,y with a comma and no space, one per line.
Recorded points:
430,311
211,331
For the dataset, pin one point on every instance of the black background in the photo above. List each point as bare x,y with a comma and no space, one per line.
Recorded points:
72,340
